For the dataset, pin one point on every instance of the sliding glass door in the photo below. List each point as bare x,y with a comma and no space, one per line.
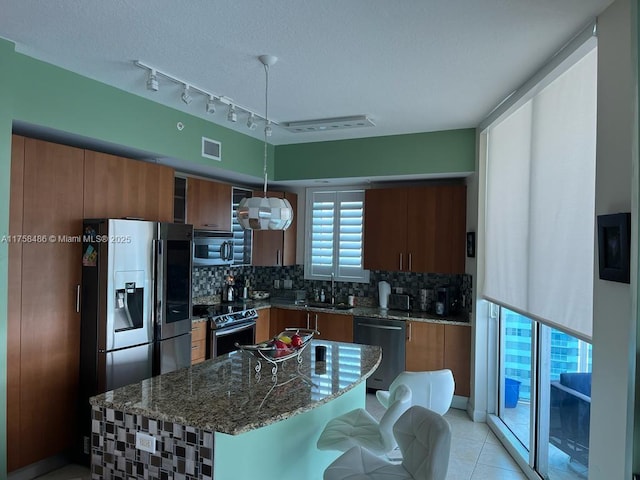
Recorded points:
544,395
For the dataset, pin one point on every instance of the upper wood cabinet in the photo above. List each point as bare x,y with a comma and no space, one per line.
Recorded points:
117,187
274,248
208,204
416,229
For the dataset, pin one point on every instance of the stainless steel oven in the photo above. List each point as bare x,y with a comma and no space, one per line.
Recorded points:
223,340
229,324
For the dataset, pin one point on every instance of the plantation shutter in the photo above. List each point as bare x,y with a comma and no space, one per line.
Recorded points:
336,230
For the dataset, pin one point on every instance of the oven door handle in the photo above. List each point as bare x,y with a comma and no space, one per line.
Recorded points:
244,326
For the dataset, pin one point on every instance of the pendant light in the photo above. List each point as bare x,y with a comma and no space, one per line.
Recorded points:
265,213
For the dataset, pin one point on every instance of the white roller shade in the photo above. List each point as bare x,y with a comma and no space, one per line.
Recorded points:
540,203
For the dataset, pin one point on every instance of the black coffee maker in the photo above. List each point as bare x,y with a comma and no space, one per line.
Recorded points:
447,301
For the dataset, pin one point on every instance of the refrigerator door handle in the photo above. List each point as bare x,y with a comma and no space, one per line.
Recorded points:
158,281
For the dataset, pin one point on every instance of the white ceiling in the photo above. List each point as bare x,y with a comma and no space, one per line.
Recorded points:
411,65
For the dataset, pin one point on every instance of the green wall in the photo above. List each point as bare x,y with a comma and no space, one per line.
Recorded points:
446,152
42,94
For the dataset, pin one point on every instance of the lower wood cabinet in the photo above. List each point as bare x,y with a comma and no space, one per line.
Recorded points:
263,325
424,346
282,318
457,356
434,346
332,326
198,342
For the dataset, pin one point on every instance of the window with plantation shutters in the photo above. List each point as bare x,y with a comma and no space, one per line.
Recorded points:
334,235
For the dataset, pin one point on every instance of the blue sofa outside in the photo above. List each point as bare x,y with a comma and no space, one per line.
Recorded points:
570,411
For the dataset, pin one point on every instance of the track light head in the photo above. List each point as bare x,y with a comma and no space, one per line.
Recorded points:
211,105
232,116
152,81
251,122
186,98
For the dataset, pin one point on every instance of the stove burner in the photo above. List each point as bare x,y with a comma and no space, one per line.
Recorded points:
225,315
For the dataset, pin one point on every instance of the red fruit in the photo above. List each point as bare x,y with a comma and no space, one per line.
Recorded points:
296,341
281,345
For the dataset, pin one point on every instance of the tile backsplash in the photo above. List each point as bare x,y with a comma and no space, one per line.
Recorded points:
209,281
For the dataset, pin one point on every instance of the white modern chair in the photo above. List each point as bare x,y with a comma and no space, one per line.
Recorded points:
359,428
432,390
424,437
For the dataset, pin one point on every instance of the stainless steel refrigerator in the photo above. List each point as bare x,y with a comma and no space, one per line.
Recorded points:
136,302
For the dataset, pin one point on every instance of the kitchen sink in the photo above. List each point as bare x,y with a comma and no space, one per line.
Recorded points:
337,306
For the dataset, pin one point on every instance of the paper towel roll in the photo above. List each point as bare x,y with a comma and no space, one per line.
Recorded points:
384,289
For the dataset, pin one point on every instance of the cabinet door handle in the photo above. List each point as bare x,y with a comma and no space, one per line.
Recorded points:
401,261
409,332
78,298
210,225
277,257
409,262
316,322
308,321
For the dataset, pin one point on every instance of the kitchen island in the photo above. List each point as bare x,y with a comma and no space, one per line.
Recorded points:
222,419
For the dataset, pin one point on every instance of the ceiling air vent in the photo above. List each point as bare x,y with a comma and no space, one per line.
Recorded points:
211,149
328,124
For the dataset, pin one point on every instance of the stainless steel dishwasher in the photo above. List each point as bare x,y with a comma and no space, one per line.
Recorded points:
388,334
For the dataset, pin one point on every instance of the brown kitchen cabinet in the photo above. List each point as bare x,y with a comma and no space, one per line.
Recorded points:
432,346
198,342
44,321
117,187
332,326
208,204
415,229
262,325
424,346
282,318
457,356
275,248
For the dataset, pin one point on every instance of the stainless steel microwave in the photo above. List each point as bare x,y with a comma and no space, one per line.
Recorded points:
212,248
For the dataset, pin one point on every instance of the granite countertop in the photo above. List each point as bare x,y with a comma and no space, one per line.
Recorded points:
358,311
226,395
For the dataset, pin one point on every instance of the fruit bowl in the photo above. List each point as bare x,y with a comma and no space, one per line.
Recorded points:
287,344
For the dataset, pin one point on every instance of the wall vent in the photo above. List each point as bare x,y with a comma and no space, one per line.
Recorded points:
211,149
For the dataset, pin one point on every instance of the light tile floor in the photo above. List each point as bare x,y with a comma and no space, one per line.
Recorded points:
476,453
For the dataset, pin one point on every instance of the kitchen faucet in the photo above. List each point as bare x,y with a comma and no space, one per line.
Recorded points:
333,289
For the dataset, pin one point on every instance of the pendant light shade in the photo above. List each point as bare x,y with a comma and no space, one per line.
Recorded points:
265,213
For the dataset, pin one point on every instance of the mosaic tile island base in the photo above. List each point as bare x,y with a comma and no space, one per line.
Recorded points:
223,419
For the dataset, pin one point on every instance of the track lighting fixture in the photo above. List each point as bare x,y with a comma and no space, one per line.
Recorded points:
251,122
211,105
186,98
152,81
232,116
211,100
